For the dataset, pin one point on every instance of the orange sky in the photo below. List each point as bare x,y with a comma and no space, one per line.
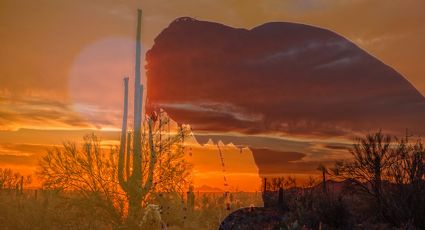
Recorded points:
53,51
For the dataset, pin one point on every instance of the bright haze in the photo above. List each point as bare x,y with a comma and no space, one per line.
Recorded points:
295,81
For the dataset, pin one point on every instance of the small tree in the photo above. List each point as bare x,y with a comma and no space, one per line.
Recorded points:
92,173
373,157
273,184
87,171
322,168
162,164
10,180
151,157
407,176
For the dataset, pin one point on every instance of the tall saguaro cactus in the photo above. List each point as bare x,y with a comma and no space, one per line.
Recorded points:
121,162
140,149
136,177
130,177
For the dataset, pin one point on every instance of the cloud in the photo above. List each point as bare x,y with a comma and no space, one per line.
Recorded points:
17,160
280,155
339,63
289,79
34,111
21,154
25,146
300,50
338,147
281,162
214,108
42,63
38,66
22,149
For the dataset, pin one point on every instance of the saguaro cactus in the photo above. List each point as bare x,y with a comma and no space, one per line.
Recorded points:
324,171
190,196
130,177
130,173
144,145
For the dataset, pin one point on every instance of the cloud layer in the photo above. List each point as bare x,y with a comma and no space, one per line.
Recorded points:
276,78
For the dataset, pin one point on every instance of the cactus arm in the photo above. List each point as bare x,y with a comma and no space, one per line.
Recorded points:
152,161
137,176
121,180
127,157
137,81
137,151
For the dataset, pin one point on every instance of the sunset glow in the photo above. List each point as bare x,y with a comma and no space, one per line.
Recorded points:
62,66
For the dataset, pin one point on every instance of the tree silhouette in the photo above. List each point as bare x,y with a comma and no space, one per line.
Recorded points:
162,164
86,170
372,159
406,198
322,168
10,180
92,173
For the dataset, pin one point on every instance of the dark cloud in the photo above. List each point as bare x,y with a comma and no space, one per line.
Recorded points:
259,142
18,160
40,137
274,155
26,147
338,147
281,162
33,111
276,78
21,154
22,149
